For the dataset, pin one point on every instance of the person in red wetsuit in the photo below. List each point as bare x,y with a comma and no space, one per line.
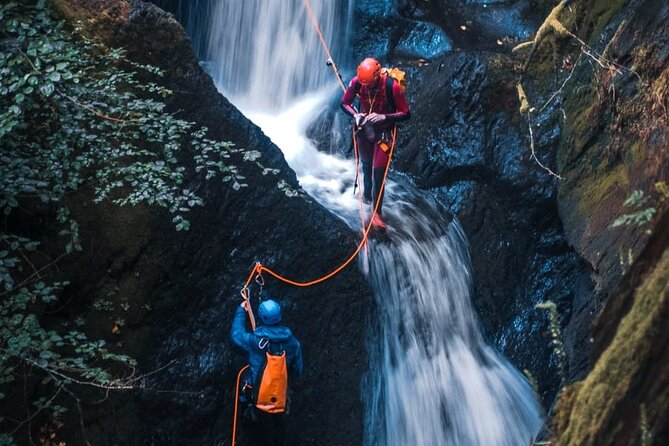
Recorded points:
382,104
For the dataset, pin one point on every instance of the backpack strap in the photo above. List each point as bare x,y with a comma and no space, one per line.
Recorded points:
389,93
265,344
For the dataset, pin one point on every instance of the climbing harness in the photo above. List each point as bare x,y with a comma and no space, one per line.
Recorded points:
258,269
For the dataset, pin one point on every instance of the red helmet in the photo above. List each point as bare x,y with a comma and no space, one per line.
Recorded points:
369,71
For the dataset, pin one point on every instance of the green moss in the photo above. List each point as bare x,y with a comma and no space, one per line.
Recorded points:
598,185
601,14
588,18
98,19
585,414
580,123
637,154
581,127
659,95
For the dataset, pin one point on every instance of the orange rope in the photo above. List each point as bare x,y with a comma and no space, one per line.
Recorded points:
234,420
323,44
245,294
259,268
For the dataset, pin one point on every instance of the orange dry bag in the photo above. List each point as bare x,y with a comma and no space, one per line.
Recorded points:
272,387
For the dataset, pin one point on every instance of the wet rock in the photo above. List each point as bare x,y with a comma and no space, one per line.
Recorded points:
187,284
424,40
478,24
466,142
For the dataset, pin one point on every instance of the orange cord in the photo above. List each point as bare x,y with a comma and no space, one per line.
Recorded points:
323,44
245,294
234,420
259,268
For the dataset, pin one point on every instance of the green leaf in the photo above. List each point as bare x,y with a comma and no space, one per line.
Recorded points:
47,89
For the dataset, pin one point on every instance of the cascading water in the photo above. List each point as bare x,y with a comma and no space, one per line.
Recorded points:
432,379
263,53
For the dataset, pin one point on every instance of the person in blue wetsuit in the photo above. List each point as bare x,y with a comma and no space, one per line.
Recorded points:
271,426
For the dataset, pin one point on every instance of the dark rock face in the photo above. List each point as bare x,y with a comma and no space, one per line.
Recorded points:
466,144
613,145
427,29
189,283
616,144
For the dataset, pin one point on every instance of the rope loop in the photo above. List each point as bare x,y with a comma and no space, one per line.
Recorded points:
259,268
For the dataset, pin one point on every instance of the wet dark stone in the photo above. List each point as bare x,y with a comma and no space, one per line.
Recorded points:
466,143
465,24
424,40
188,283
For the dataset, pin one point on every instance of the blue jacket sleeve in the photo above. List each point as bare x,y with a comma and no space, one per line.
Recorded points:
238,334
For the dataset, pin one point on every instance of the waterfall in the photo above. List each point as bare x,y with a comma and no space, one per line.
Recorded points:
264,53
432,380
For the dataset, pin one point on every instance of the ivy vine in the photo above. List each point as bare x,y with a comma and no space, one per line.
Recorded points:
73,115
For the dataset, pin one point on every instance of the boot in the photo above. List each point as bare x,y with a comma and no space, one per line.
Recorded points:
378,223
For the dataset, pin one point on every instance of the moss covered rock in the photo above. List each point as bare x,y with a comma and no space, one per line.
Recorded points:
625,398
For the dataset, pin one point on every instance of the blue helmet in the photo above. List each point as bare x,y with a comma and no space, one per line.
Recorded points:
269,312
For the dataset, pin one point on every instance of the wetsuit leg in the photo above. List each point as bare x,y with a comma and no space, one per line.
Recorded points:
379,166
380,158
377,195
366,151
367,180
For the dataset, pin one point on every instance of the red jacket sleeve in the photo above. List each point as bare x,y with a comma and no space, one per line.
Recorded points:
349,97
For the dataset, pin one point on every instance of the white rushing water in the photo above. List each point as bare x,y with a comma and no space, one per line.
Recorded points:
264,53
433,380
